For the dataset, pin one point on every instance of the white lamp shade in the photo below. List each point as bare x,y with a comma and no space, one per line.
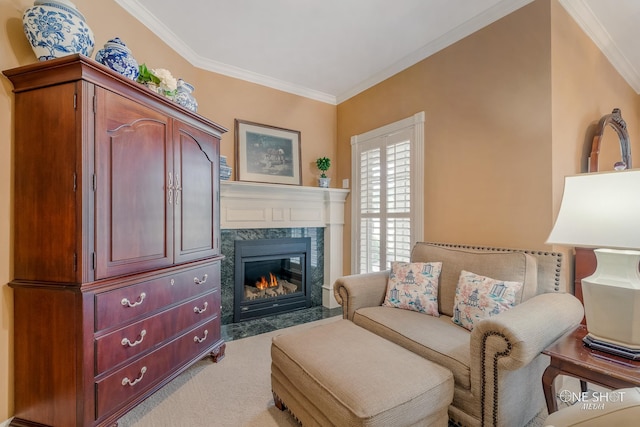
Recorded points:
599,210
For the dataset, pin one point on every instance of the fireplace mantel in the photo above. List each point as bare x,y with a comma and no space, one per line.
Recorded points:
255,205
246,205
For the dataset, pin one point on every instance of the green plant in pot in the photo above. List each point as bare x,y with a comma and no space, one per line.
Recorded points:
323,163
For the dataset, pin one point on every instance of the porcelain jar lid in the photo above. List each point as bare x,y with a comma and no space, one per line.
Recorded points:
116,43
66,5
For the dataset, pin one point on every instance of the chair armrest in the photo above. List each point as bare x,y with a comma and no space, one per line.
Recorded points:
506,350
516,336
360,290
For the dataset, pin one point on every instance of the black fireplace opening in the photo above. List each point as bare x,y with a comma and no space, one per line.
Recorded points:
271,277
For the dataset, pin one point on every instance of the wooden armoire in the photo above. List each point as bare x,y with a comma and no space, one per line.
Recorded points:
116,242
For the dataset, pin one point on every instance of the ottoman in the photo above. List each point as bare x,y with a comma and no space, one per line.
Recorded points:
340,374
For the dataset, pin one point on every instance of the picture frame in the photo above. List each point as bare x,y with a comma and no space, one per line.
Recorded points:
267,153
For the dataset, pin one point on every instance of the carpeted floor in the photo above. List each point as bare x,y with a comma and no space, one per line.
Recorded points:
233,393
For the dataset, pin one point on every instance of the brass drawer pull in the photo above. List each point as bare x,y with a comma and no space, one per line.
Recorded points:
125,341
200,281
201,310
126,380
199,340
127,303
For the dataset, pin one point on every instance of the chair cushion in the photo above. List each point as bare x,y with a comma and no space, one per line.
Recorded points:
437,339
509,266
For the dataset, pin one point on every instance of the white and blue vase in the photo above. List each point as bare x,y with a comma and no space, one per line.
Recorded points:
184,96
55,28
225,170
117,56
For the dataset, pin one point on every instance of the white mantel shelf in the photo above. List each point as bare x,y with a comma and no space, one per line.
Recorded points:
256,205
246,205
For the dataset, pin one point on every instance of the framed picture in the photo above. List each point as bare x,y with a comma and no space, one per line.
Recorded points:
267,154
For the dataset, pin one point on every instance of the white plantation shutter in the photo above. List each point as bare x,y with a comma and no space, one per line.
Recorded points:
387,179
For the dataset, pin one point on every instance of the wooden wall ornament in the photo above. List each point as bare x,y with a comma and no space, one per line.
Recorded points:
618,124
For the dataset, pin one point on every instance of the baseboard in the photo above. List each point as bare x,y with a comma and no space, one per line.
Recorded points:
6,423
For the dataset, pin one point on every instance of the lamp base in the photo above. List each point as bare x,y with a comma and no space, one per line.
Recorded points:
612,303
611,348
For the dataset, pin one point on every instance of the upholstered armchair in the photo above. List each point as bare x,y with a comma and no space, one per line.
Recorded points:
498,365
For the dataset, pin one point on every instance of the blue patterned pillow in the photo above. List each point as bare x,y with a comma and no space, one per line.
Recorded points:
479,297
414,286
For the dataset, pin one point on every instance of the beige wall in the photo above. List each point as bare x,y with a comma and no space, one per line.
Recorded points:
585,86
220,98
507,112
487,132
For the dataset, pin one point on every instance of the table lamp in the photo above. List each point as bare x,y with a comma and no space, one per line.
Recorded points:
602,210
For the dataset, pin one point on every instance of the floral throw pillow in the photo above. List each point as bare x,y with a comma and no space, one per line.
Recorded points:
414,286
479,297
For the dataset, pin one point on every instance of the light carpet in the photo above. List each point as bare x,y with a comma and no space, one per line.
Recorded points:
236,392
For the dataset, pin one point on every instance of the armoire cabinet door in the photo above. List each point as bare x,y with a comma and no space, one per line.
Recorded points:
46,201
196,162
134,180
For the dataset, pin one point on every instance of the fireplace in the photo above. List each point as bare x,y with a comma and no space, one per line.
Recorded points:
250,211
271,277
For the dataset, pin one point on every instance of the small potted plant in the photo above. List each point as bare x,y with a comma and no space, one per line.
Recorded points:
323,163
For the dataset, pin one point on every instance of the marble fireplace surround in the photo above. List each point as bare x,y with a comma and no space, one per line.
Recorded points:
248,205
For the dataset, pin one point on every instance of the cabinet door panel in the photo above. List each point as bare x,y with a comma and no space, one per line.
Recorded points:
196,160
134,180
45,200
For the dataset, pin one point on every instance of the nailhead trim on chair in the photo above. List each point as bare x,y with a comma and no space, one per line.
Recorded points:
495,375
556,287
557,255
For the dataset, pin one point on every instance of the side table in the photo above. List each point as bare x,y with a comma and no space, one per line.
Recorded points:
569,356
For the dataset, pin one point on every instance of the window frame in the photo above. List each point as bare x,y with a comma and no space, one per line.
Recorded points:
415,124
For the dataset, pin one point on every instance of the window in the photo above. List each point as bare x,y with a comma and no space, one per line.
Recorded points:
387,216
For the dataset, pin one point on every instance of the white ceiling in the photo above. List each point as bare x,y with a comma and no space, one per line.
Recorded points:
330,50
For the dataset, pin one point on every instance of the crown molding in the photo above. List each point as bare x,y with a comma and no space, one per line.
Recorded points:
580,11
142,14
474,24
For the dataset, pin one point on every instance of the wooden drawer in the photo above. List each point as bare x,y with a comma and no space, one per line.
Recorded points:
121,345
134,301
139,377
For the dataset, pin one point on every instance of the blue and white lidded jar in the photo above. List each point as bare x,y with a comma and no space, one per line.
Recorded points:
184,96
55,28
225,170
117,56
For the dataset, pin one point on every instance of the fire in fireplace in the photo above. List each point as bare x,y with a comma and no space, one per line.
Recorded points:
271,276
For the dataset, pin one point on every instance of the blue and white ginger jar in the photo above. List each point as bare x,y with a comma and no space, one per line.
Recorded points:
117,56
55,28
184,96
225,170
